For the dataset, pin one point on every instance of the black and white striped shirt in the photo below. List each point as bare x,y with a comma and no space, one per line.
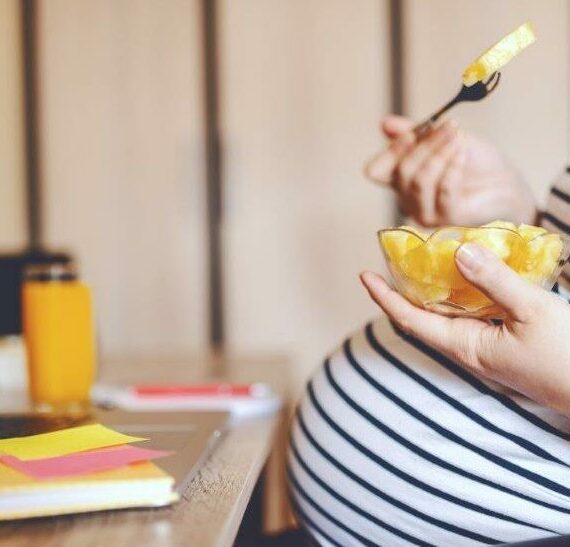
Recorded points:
395,444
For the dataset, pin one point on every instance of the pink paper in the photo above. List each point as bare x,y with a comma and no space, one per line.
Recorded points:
82,463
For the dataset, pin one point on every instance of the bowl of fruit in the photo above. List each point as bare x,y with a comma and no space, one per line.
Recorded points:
423,266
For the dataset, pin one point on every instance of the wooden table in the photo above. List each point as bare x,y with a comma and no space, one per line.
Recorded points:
211,510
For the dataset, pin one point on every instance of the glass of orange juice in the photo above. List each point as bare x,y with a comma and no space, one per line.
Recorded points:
60,340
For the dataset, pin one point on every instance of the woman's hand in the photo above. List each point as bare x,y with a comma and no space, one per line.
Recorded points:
449,177
529,352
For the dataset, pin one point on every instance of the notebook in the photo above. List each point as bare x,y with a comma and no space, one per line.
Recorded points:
188,436
136,485
241,401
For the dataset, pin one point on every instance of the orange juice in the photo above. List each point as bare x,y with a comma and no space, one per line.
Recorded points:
59,336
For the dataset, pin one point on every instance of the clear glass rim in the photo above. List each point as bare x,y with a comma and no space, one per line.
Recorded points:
565,237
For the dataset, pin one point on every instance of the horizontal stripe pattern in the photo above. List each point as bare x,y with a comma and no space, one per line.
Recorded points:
450,435
560,194
557,217
314,453
414,448
396,444
457,405
553,222
508,402
411,480
389,499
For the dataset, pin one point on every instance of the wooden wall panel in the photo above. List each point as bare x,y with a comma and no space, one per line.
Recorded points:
12,166
123,155
304,84
527,115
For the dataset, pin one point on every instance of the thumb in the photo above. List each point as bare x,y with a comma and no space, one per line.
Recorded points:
394,126
495,279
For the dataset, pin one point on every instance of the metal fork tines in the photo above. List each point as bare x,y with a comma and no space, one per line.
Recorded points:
476,92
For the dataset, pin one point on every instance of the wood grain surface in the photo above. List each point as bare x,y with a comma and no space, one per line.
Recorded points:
211,509
209,513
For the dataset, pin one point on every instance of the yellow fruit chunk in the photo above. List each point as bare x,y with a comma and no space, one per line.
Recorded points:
433,264
499,55
424,294
541,258
397,243
407,254
418,292
470,298
528,232
499,239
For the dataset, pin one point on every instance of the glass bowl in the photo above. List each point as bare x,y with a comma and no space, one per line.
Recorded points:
424,271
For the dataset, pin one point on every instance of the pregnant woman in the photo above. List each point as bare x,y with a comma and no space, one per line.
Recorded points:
425,430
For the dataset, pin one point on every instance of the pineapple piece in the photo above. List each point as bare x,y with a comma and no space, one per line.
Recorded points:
417,264
428,294
498,238
528,232
499,55
541,257
470,298
397,243
446,273
415,290
433,264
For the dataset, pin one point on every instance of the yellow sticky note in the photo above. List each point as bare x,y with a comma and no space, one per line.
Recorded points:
65,441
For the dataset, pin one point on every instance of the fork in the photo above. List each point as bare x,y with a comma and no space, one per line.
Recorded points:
475,92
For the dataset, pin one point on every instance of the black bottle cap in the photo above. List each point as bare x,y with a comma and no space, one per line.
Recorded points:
12,267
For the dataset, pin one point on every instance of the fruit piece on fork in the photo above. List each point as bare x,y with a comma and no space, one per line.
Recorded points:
499,55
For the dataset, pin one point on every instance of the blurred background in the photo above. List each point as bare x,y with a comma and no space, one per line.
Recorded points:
202,159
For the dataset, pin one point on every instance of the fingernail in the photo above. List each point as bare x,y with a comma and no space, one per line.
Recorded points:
470,255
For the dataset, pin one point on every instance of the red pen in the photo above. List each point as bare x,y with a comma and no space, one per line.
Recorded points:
200,390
